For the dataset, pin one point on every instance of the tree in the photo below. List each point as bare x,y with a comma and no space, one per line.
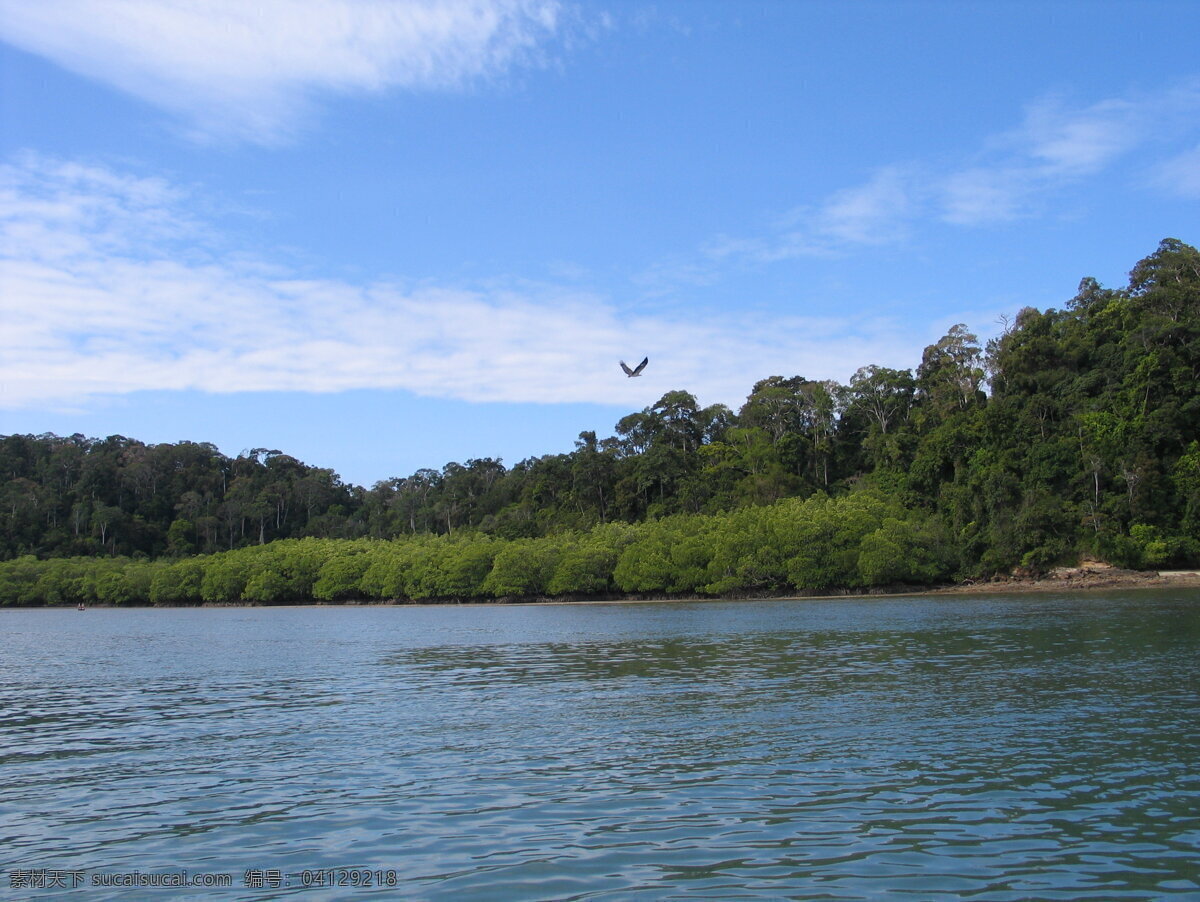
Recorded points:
105,521
951,372
1167,283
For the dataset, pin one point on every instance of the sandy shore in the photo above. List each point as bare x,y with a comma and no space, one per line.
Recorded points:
1087,576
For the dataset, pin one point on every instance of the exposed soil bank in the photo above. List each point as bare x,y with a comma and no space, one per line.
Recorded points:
1061,579
1085,576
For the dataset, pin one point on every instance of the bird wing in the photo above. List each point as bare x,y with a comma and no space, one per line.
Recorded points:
628,371
641,366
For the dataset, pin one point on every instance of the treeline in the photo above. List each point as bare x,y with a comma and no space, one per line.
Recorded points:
117,496
857,540
1076,431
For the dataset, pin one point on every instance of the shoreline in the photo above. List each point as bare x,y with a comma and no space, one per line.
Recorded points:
1068,579
1085,577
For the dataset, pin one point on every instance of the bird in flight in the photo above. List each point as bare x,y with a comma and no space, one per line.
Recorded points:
637,370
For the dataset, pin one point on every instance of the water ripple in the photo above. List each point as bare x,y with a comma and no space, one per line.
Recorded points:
990,749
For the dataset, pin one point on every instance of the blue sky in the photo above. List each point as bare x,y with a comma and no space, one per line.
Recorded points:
381,236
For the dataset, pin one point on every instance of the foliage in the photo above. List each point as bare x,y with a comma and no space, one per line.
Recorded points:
858,539
1076,431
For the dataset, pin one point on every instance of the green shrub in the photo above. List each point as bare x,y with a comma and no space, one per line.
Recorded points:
178,582
340,576
522,567
18,581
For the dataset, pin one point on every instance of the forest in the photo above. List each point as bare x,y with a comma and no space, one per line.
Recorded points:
1075,432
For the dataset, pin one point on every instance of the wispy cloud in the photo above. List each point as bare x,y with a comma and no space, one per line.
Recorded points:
1077,142
1055,146
248,70
1009,176
877,212
1019,173
97,298
984,195
1180,175
872,213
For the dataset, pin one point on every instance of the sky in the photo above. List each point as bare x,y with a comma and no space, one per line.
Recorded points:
381,235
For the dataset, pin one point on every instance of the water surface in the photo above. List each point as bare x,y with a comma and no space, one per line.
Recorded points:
989,748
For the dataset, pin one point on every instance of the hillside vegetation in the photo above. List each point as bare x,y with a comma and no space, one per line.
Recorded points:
1076,432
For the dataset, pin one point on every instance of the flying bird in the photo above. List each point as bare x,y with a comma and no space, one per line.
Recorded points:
637,370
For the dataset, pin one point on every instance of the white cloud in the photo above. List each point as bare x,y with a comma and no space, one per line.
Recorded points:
1017,171
248,70
982,195
1057,146
872,213
96,299
1010,176
1181,174
1070,143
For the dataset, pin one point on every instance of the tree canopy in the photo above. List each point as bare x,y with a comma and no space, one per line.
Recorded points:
1076,431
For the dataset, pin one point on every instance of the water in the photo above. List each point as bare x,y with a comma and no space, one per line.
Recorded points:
987,748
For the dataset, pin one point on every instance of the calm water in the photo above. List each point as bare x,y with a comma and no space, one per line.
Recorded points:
986,748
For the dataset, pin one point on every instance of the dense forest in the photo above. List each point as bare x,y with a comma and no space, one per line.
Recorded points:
1075,432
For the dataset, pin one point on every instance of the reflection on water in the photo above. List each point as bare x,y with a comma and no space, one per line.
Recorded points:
999,748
